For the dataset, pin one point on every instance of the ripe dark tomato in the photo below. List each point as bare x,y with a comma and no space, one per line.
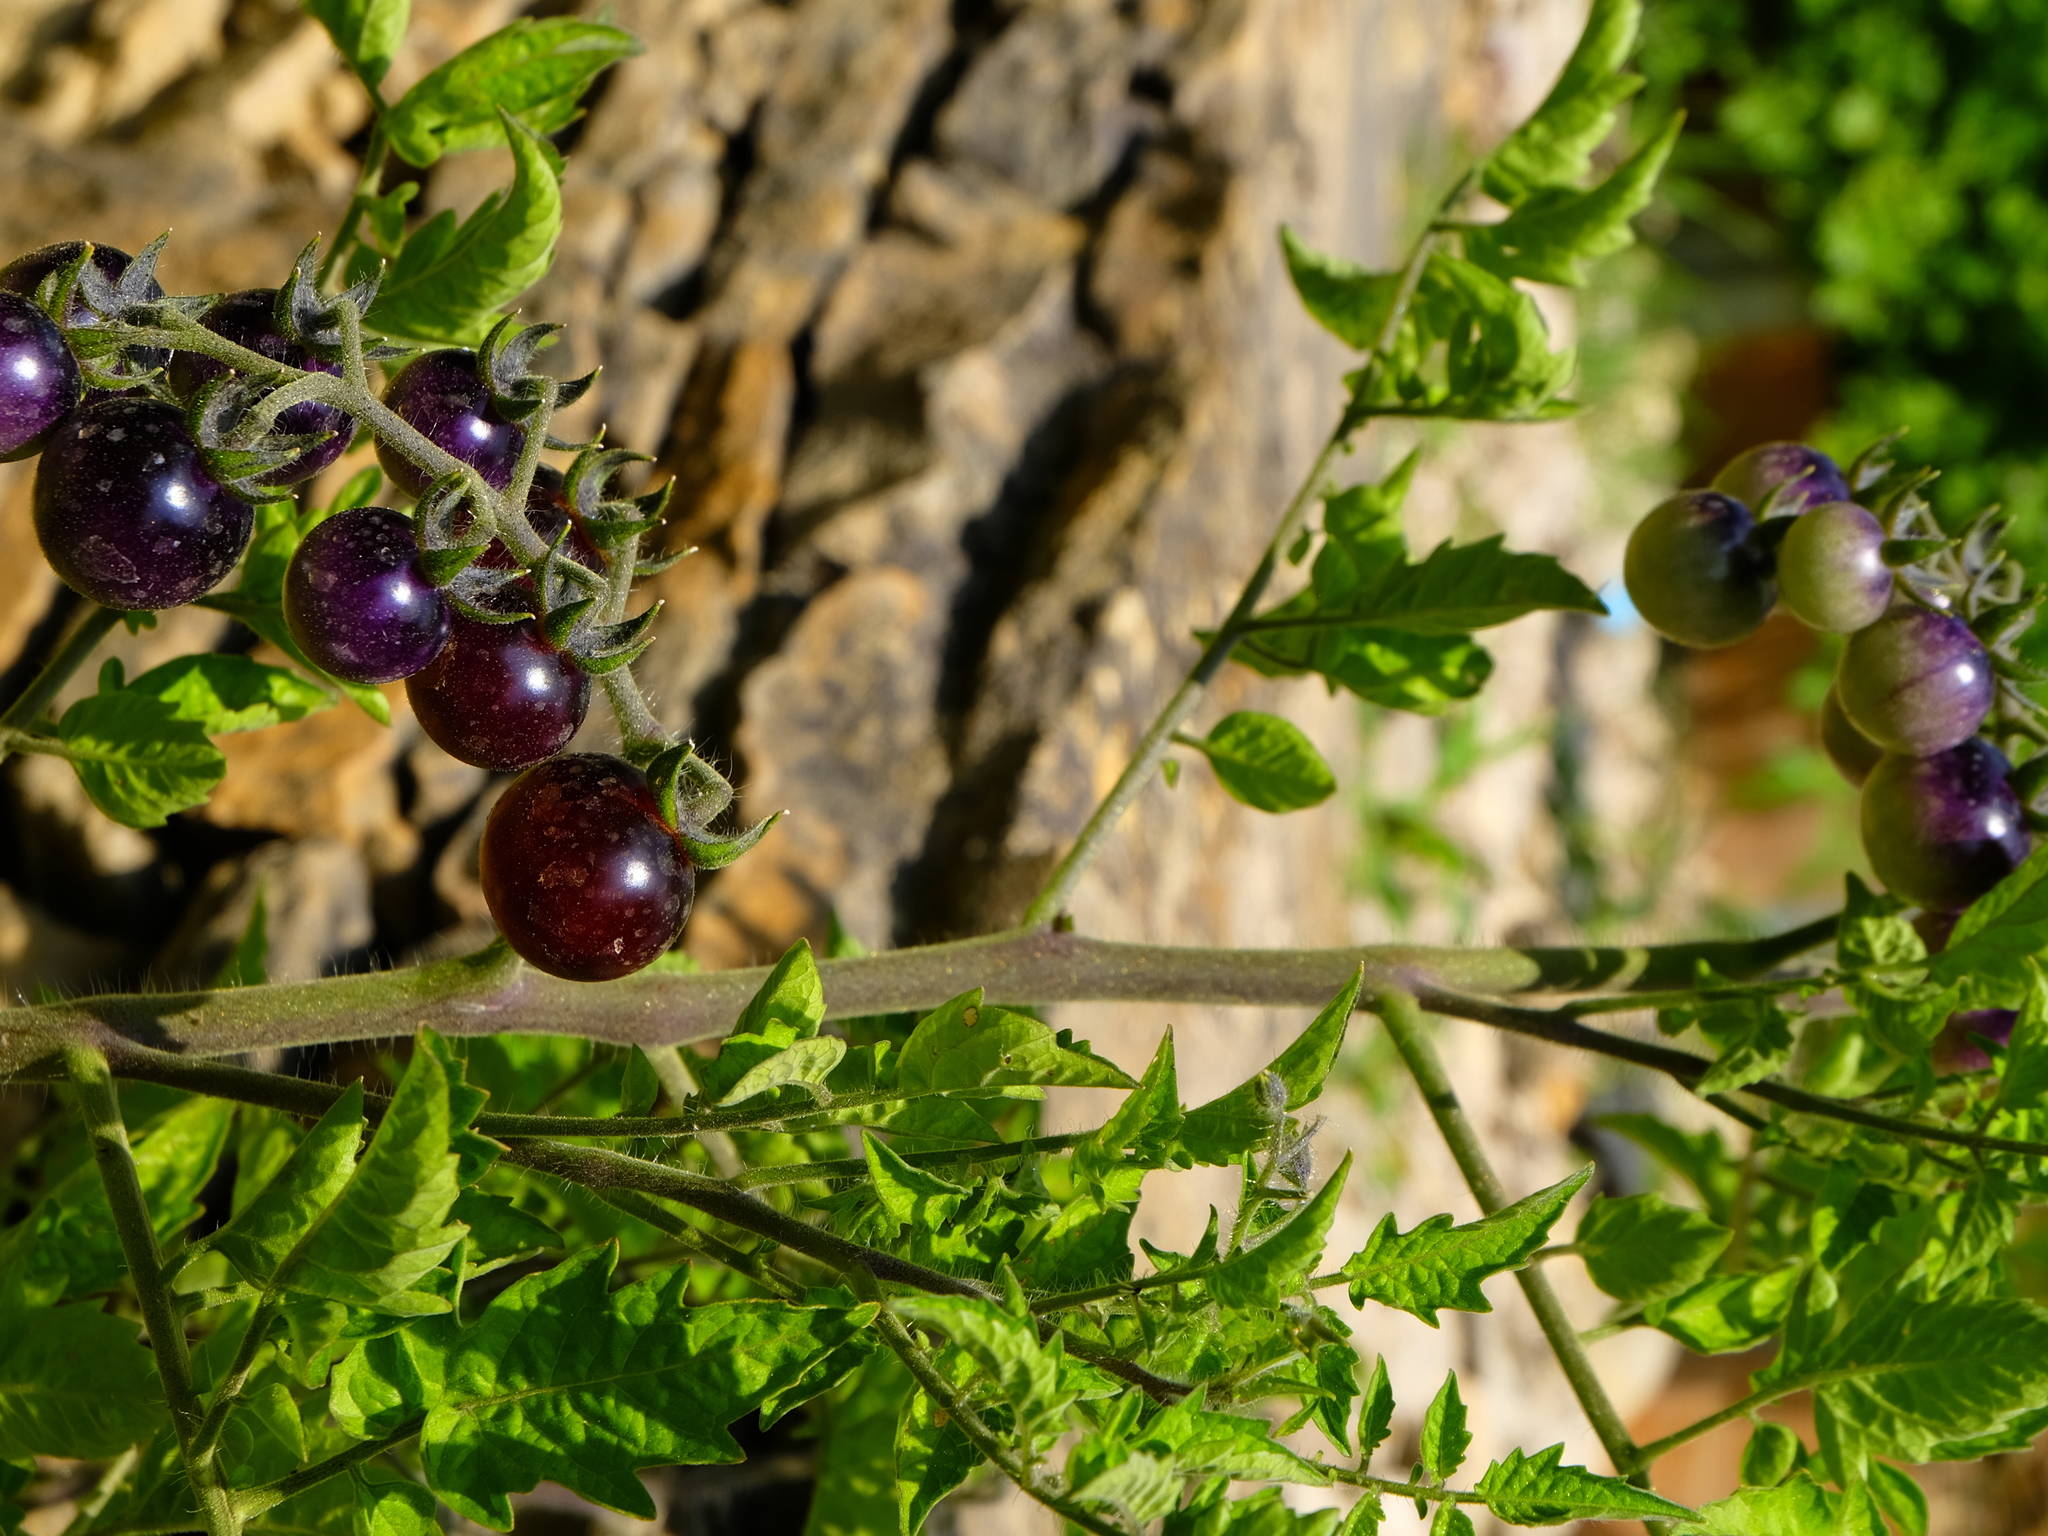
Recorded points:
1695,571
1853,753
1960,1045
127,513
581,875
359,603
1753,474
25,274
249,319
1831,570
39,379
1942,830
445,398
499,695
1915,682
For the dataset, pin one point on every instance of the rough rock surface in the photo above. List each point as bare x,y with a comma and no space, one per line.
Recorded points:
964,334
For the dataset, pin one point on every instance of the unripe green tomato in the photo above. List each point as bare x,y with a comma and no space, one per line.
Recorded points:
1831,570
1695,571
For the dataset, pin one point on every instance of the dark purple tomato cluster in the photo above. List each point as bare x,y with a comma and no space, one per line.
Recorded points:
1915,686
126,509
585,878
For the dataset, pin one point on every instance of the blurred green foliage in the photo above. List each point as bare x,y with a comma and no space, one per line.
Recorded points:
1899,150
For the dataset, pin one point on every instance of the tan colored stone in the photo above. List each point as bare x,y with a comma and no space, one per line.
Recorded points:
326,776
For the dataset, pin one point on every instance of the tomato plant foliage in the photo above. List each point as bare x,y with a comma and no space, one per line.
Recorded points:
259,1303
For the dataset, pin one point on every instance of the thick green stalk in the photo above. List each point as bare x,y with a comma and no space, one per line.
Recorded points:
1409,1031
490,992
101,1110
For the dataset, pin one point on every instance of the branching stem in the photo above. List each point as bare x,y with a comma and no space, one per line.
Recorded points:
100,1108
1409,1031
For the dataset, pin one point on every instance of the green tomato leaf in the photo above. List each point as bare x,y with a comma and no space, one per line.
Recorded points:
230,693
367,32
1422,674
535,70
2000,929
788,1008
1725,1313
264,1231
1286,1253
1555,232
1461,587
364,1233
1538,1490
67,1245
563,1378
1012,1362
1375,1412
1911,1374
1436,1264
449,281
1554,148
933,1457
1771,1455
1753,1036
1800,1507
2023,1070
804,1065
855,1493
1444,1436
1142,1134
1218,1131
139,760
74,1382
967,1043
1347,300
1642,1247
1267,763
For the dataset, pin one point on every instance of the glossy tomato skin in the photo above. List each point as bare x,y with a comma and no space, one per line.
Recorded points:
126,512
1696,572
445,398
1942,830
25,274
358,600
498,695
1916,681
39,380
1754,474
582,877
1831,570
249,319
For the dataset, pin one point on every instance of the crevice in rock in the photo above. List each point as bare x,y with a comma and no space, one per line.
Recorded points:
684,297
